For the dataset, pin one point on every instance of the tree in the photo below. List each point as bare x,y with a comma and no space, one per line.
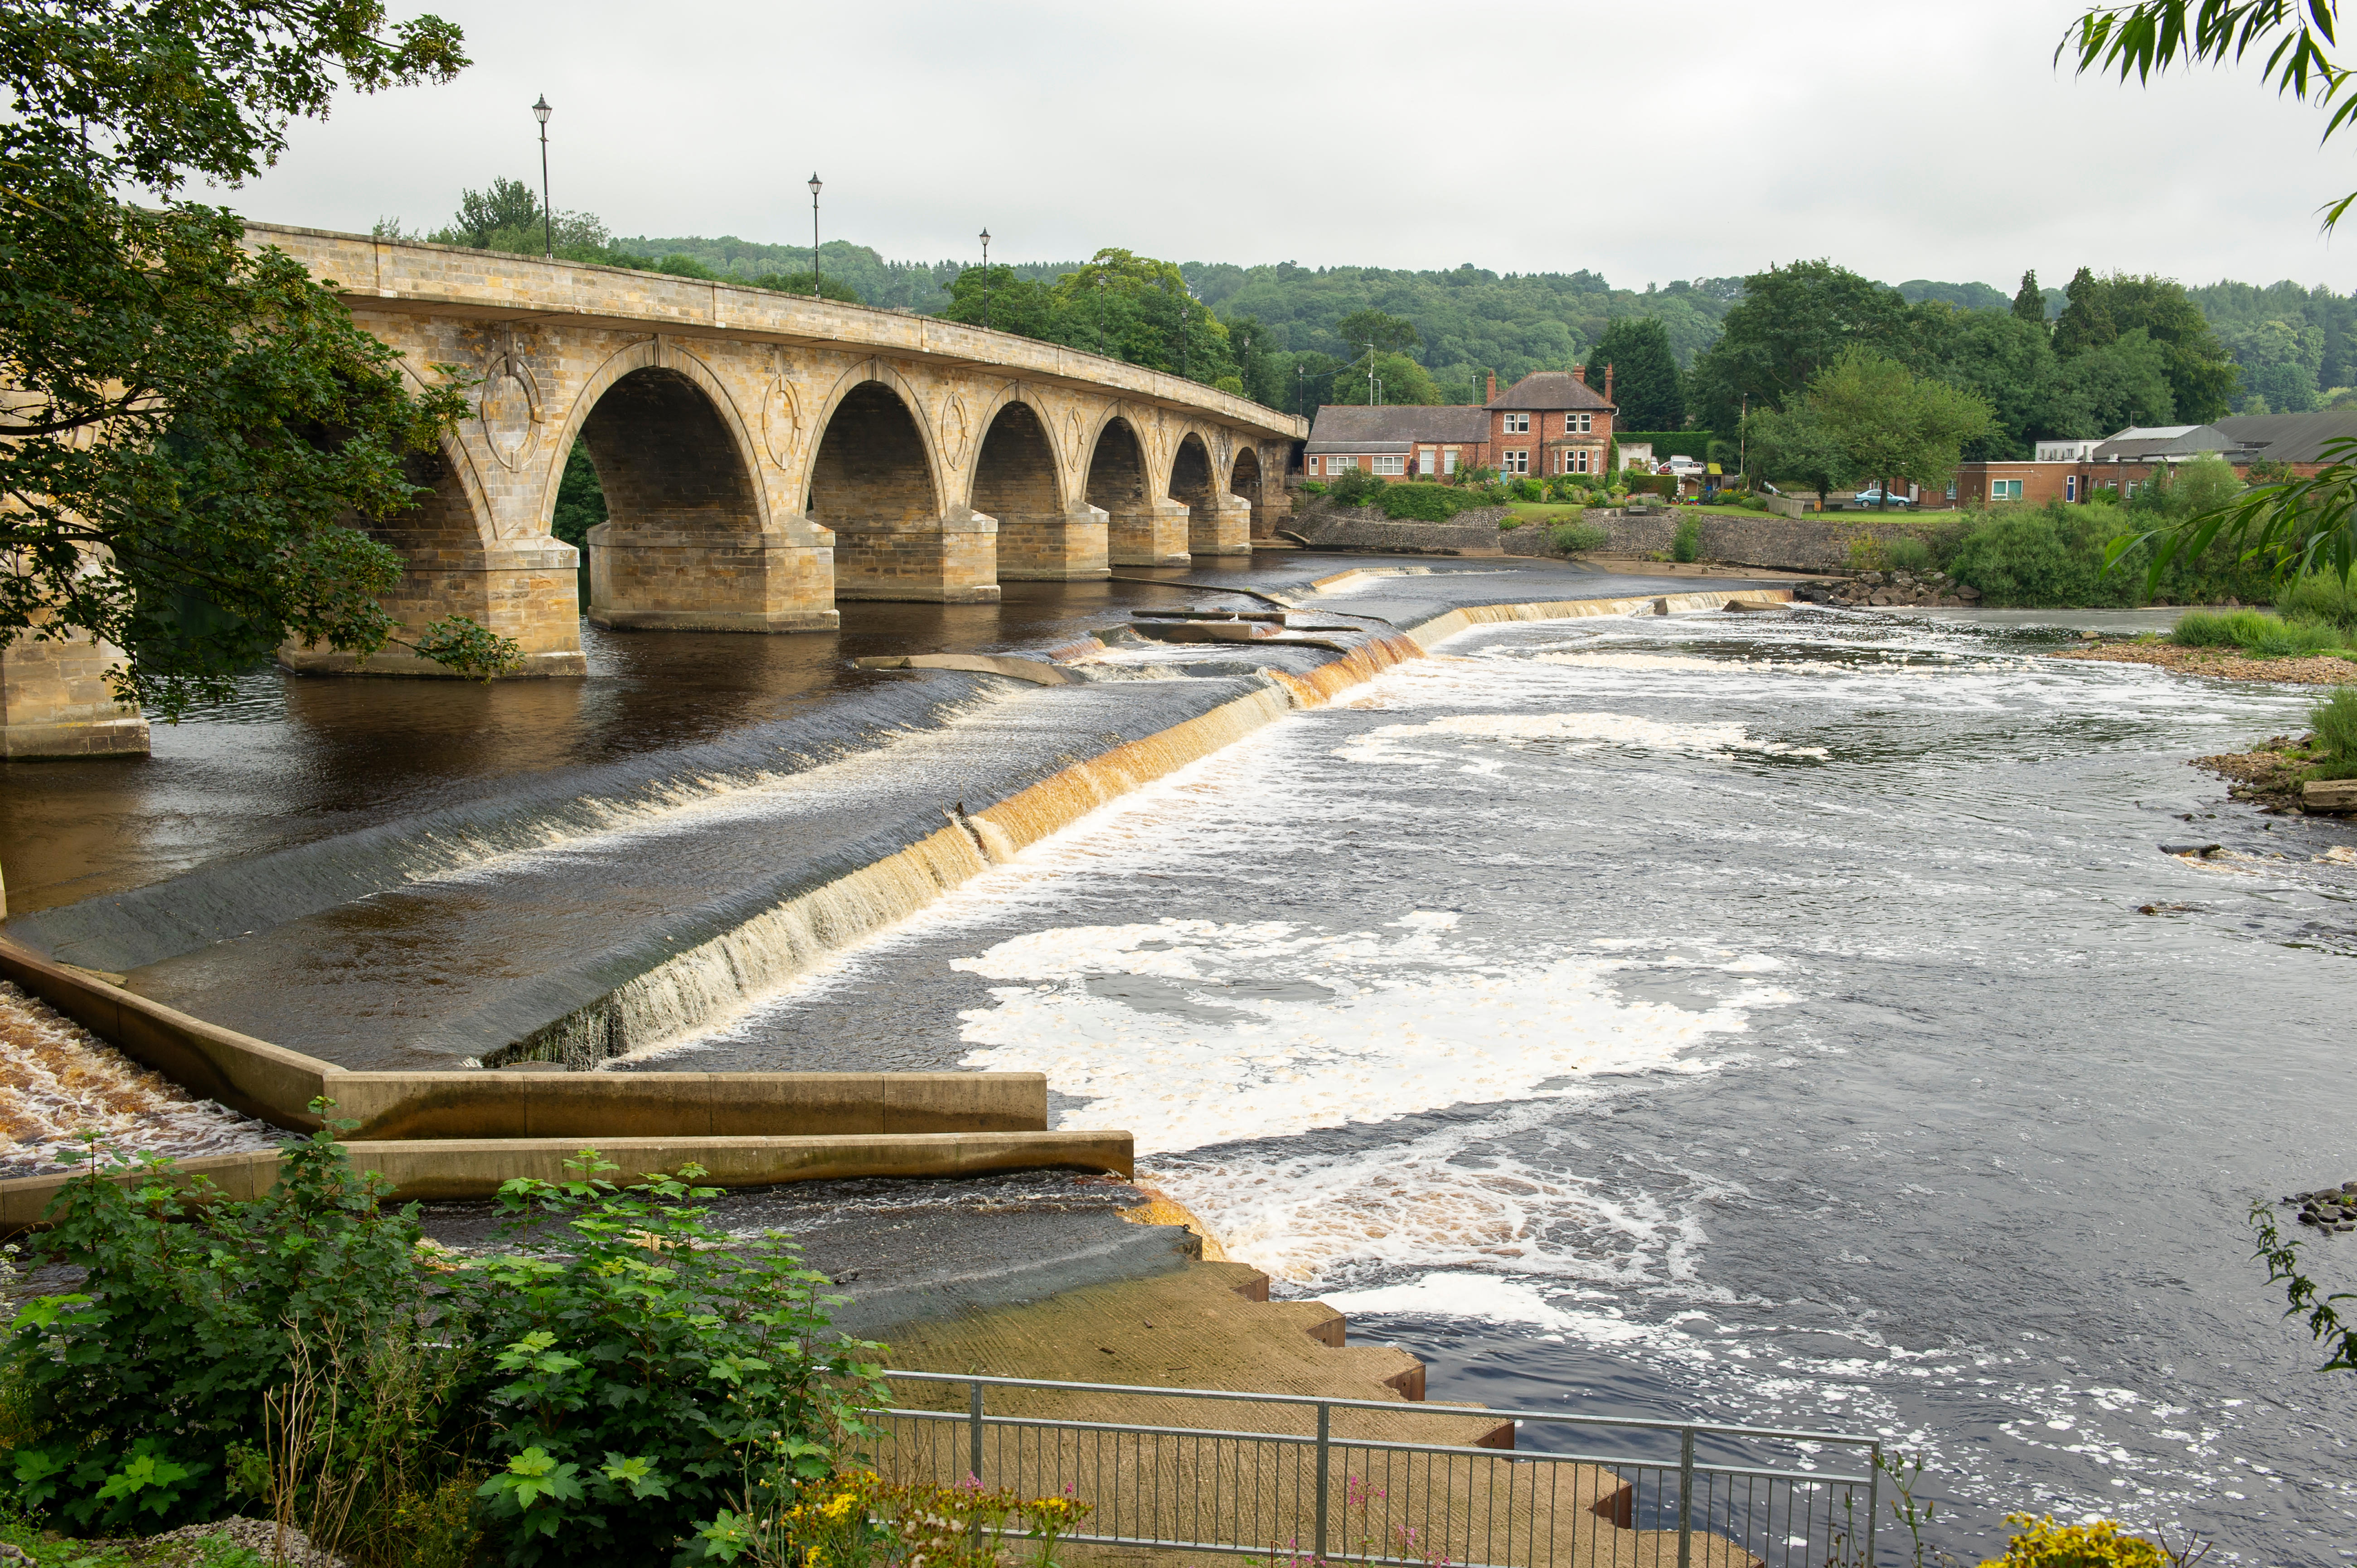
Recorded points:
1795,443
2123,385
2201,374
2086,322
2029,303
2010,364
1646,384
1793,322
509,204
1385,341
1894,423
195,423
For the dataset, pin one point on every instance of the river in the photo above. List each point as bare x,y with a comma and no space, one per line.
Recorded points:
1755,1015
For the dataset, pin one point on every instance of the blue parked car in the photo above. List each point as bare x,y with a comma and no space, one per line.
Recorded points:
1873,497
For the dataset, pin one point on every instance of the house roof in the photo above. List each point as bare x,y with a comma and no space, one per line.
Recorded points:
1345,427
1550,390
2161,441
2289,437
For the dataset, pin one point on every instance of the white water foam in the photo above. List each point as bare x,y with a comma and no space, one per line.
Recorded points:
1587,731
1197,1032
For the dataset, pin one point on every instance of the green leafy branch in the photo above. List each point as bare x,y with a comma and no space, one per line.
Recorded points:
2324,1323
2153,35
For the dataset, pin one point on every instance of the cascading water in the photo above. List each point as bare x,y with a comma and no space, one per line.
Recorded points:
1753,1016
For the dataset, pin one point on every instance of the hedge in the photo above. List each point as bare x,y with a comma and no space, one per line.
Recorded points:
1694,444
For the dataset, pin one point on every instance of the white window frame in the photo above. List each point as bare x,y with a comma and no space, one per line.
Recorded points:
1517,425
1515,462
1578,424
2070,486
1390,463
2005,489
1426,459
1448,459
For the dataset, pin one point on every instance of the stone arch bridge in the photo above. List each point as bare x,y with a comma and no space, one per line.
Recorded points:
766,456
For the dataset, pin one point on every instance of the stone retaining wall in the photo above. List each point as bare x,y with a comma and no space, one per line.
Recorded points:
1325,525
1757,539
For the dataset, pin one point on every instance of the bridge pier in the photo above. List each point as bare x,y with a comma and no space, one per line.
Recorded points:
1056,546
1226,532
690,580
948,560
54,702
529,591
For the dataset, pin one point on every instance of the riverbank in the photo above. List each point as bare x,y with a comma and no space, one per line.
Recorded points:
2219,663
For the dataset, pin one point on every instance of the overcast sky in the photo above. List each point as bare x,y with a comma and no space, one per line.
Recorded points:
1646,142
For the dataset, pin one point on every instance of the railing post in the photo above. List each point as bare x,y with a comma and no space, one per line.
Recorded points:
1685,1497
1873,1501
974,1448
1325,1433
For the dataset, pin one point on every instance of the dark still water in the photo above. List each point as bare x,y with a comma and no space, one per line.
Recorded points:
1751,1016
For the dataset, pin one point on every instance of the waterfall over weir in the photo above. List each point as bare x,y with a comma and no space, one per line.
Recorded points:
627,928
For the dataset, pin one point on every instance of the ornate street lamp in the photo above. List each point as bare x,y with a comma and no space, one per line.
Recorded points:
541,111
985,280
813,184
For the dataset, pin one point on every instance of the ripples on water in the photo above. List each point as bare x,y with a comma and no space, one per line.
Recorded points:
1746,1016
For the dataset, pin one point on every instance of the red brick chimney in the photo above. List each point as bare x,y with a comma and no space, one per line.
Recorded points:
1608,381
1494,388
1579,374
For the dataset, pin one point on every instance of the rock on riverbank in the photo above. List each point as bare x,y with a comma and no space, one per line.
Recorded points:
1876,590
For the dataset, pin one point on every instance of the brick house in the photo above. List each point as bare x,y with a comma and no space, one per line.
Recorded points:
1550,422
1404,441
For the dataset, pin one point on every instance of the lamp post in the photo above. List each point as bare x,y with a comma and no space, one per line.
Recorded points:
985,280
541,111
813,184
1300,384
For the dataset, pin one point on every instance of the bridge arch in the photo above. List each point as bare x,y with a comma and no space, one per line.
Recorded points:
456,561
682,546
1245,479
1218,523
876,478
1020,478
1143,526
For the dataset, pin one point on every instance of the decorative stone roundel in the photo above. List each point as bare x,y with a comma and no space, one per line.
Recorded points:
779,419
506,406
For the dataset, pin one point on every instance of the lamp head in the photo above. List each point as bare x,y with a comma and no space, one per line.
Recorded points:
985,236
813,184
541,111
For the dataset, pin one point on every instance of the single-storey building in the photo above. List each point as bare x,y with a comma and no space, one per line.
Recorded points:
2074,470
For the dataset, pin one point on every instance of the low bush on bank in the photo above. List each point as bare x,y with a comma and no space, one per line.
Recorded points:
1686,543
2335,724
2053,557
611,1385
1417,502
2258,634
1571,538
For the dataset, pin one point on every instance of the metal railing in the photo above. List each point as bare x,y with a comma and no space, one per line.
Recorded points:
1303,1480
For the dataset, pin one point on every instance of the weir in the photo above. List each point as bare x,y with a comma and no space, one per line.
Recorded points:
430,944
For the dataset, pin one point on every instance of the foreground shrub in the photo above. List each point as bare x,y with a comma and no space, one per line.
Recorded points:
634,1361
1571,538
859,1520
2041,1543
131,1393
617,1374
1907,553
